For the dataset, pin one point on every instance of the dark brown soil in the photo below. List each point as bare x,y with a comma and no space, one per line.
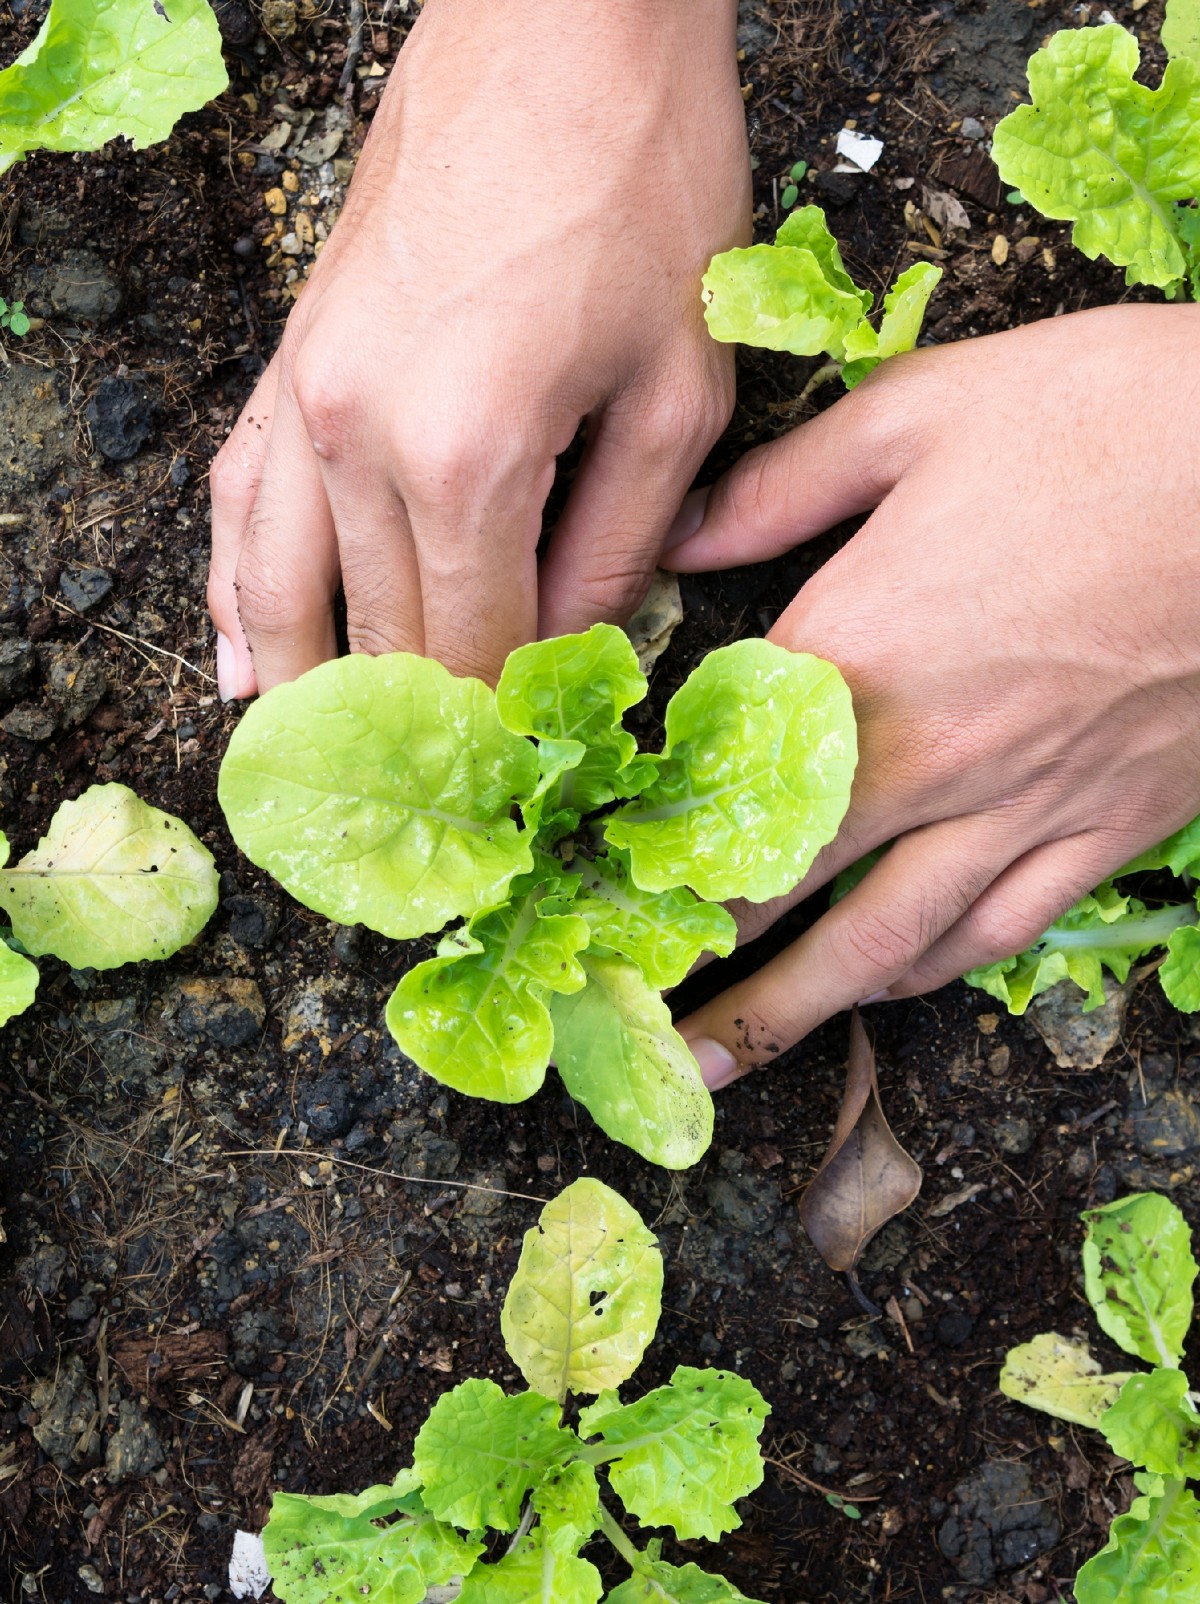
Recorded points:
259,1239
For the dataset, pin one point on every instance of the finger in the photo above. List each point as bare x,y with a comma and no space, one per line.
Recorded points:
1015,911
476,550
234,479
917,892
841,463
287,573
636,470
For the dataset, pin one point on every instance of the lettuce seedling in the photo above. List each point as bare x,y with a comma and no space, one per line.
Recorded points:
386,792
14,319
1119,160
582,1309
100,68
796,295
113,881
1110,929
1138,1275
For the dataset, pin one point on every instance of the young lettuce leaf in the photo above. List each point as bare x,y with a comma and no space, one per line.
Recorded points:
378,791
619,1054
100,68
539,1570
18,977
567,1503
476,1016
1152,1555
585,1300
1181,29
1102,151
753,781
903,314
1059,1376
320,1549
681,1455
656,1582
1153,1423
113,881
1138,1272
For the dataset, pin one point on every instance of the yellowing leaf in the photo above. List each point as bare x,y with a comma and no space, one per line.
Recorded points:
1059,1376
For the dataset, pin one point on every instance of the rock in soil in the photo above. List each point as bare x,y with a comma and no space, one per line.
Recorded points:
66,1407
122,416
29,723
1077,1040
16,667
135,1448
36,432
82,588
226,1010
84,288
1000,1522
253,920
78,685
1167,1126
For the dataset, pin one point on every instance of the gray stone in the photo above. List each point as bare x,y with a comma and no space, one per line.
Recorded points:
122,416
1166,1127
135,1448
42,1270
29,723
83,588
1000,1521
347,944
37,433
1013,1134
327,1107
431,1157
83,287
66,1406
485,1204
225,1010
16,667
81,1308
253,920
78,685
91,1578
742,1197
1078,1040
972,128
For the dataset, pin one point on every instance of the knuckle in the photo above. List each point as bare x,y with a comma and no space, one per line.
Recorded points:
1002,929
232,478
329,404
871,943
264,601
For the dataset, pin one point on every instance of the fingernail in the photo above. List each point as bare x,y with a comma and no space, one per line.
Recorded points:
718,1066
687,520
226,668
877,996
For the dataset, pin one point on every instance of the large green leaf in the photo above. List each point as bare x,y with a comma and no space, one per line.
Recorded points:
1154,1424
538,1571
1138,1271
18,983
480,1451
99,68
754,778
574,689
662,932
621,1057
1106,153
1105,930
903,314
656,1582
585,1300
335,1549
113,881
1179,975
1181,29
378,790
778,296
475,1017
1059,1376
681,1455
1152,1555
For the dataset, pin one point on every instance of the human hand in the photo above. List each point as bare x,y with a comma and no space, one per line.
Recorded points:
1019,622
521,249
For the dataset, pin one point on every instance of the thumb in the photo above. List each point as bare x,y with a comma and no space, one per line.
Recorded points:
841,463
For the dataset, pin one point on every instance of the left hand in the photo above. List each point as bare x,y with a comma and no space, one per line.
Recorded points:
1019,623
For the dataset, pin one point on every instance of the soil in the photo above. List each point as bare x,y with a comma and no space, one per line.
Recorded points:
247,1242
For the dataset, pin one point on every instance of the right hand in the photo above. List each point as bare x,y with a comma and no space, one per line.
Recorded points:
521,250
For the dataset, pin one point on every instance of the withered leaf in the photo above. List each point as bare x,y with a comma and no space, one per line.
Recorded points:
866,1177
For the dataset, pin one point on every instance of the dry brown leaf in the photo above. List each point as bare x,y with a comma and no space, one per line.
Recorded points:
866,1177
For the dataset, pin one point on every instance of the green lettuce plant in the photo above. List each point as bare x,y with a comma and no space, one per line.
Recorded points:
14,319
796,295
580,1312
1138,1275
386,792
113,881
1119,160
1110,929
100,68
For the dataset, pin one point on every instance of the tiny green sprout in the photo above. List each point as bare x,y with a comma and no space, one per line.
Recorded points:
1015,198
851,1511
789,197
385,791
799,169
580,1312
1138,1273
797,296
13,317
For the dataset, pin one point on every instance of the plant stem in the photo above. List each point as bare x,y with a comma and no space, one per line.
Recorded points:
618,1539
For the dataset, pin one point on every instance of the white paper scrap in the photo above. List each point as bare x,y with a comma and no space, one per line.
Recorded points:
248,1573
860,149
